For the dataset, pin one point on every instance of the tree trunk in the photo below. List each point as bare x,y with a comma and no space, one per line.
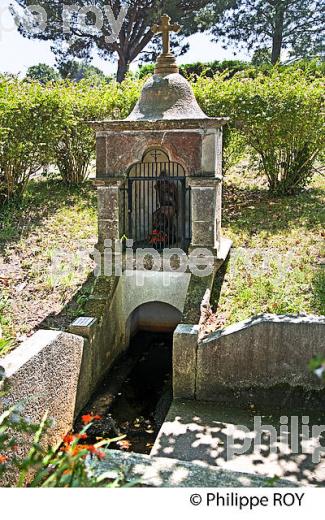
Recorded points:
277,34
122,70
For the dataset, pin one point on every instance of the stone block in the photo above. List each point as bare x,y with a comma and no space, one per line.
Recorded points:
184,361
101,165
108,203
209,152
42,375
203,204
108,230
203,234
83,326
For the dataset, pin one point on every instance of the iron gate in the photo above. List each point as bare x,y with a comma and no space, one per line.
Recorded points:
156,204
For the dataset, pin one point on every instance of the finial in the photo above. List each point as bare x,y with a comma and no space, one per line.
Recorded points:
166,63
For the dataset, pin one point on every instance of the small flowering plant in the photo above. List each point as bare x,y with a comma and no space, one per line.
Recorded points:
67,466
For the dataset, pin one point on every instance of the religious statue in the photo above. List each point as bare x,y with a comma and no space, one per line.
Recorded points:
165,217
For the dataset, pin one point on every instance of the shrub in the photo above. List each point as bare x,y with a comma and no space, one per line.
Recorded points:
41,125
79,104
276,114
279,117
189,70
28,129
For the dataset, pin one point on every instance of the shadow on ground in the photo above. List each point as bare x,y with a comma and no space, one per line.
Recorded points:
254,210
223,437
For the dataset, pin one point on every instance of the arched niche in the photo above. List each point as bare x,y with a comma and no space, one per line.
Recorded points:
156,202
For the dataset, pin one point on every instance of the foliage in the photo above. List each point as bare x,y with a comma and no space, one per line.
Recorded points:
317,366
202,69
28,127
42,73
75,71
82,103
273,111
44,125
261,56
71,70
125,39
44,466
296,25
278,116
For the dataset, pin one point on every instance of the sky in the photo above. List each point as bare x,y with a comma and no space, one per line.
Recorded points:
18,53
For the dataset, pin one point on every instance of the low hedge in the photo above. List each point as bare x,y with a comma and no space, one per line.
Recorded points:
277,116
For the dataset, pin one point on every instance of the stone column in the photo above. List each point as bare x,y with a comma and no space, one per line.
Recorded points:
109,218
206,212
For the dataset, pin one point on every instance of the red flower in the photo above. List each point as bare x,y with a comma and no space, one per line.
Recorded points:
82,436
86,419
157,237
68,439
3,459
100,454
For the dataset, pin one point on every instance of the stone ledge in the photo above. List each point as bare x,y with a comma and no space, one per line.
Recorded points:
156,125
148,471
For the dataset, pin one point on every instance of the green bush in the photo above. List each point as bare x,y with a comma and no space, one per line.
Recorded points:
42,125
276,114
79,104
208,70
279,116
28,129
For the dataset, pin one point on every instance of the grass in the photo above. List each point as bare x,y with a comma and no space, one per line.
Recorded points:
40,240
277,264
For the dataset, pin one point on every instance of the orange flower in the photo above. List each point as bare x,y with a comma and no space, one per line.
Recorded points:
68,439
86,419
82,436
3,459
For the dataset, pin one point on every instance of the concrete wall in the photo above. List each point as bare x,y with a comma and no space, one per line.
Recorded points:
41,376
262,352
120,307
136,289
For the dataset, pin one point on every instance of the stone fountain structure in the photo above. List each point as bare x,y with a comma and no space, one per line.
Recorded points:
166,120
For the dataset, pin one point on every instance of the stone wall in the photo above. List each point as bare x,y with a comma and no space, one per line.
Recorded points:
264,352
116,309
42,375
198,150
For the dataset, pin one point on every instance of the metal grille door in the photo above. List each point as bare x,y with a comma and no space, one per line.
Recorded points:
157,206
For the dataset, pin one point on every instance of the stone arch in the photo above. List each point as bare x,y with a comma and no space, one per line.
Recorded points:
156,202
154,316
140,148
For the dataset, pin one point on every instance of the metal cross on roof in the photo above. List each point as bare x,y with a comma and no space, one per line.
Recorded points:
166,28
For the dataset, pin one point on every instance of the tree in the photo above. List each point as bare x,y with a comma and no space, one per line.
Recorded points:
261,56
296,25
113,28
76,71
42,73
